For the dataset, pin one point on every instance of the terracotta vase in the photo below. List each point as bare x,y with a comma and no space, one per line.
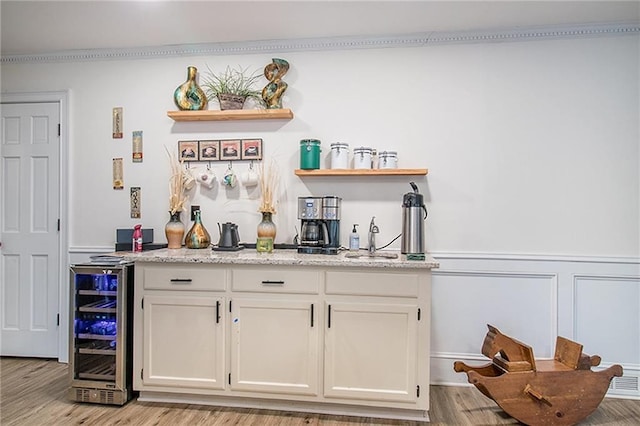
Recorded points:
174,231
189,96
266,234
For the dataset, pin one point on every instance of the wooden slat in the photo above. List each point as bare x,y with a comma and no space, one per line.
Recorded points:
229,115
361,172
568,352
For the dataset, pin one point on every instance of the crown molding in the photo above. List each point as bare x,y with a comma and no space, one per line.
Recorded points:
330,43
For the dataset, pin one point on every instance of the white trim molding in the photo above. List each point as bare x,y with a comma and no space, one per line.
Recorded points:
534,257
331,43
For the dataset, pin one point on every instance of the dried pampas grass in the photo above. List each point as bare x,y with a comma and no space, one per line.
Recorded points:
268,181
177,196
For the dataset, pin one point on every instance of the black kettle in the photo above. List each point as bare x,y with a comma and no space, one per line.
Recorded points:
229,236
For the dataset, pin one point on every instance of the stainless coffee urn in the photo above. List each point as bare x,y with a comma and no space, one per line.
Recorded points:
414,214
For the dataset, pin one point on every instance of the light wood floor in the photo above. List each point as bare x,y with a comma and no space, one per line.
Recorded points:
33,392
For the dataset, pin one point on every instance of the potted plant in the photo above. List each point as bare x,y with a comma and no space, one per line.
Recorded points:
232,87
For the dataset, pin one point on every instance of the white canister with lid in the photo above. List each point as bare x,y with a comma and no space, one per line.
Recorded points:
362,158
388,160
339,155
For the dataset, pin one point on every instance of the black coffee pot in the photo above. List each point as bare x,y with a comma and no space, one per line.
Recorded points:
229,236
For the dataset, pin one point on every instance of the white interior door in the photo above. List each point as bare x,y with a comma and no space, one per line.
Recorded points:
29,206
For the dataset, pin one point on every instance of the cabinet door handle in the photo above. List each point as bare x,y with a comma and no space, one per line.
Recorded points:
312,315
269,282
217,311
180,280
329,317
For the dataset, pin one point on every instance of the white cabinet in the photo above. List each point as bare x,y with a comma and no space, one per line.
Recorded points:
179,328
274,346
183,342
371,351
339,339
274,330
376,336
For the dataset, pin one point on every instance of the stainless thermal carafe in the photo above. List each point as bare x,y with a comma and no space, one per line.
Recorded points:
413,215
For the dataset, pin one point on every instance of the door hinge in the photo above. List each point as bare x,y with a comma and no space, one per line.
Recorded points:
58,225
419,314
418,391
58,320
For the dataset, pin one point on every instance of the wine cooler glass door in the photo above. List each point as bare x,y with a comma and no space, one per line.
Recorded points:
97,323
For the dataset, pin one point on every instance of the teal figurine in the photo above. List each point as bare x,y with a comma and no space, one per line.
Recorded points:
189,96
272,92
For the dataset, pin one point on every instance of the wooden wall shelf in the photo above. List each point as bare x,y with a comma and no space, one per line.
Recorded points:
230,115
361,172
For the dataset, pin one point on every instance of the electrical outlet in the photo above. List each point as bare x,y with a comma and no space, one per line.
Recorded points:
193,212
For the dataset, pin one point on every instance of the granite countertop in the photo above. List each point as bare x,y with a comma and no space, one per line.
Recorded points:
278,257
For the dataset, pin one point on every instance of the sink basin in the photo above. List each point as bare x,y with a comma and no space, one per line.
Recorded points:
372,255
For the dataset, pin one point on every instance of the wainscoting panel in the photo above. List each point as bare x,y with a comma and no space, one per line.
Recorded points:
509,301
593,301
607,320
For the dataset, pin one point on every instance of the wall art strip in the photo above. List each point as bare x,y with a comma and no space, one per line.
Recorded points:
137,146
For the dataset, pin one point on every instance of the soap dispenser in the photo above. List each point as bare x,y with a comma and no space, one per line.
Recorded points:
354,239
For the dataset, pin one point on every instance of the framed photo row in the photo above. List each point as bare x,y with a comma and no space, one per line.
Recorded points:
220,150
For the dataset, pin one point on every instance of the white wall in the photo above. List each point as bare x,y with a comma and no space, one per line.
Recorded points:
533,191
532,147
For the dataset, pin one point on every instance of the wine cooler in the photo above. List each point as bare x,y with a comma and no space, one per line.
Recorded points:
101,333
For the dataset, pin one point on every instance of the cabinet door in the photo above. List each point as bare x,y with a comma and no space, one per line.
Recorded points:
371,351
183,342
274,346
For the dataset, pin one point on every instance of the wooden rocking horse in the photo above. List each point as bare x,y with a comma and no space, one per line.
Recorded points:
559,391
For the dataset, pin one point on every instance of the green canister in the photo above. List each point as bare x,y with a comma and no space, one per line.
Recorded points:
309,154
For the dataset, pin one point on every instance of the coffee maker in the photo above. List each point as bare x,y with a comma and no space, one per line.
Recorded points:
331,218
320,224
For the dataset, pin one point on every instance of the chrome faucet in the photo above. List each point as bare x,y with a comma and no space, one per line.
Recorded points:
373,230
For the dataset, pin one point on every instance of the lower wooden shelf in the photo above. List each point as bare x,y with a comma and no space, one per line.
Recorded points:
361,172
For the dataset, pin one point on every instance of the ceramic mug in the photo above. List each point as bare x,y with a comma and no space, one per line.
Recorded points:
207,178
249,178
188,180
229,179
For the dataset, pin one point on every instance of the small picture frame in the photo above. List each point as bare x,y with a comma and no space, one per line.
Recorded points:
252,149
209,150
188,151
230,149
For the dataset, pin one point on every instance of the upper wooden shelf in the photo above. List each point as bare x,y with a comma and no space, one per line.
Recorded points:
231,114
361,172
